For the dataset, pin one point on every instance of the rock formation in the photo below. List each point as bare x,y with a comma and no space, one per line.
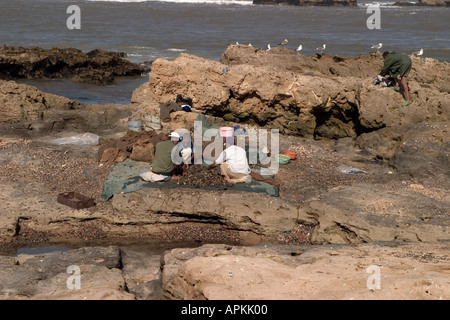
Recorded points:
416,271
328,3
25,111
96,67
320,97
394,216
300,96
434,3
233,273
104,273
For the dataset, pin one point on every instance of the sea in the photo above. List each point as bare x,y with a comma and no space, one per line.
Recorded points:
149,29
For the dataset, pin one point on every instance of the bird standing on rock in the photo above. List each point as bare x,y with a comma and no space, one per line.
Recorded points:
377,46
268,47
284,42
300,47
418,53
323,48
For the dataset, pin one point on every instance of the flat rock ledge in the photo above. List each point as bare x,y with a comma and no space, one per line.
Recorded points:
415,271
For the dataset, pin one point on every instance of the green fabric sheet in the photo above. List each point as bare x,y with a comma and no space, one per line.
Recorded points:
125,177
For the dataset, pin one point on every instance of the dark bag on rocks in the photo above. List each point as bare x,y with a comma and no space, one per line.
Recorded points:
384,81
180,99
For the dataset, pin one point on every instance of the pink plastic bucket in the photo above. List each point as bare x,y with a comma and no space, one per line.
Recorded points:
226,131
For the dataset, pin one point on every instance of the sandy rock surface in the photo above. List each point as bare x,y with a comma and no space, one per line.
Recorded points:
409,271
417,271
369,187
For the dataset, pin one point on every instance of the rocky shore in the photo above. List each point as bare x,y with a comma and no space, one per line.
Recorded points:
96,67
369,188
349,3
328,3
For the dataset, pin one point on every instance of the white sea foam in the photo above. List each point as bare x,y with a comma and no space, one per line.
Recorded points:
382,4
241,2
139,47
176,50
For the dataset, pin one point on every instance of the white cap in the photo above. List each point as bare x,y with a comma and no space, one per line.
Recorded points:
175,135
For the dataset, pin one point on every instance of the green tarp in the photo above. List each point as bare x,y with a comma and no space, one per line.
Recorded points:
125,177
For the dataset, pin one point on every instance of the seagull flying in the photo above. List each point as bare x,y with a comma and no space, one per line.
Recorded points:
284,42
377,46
300,47
418,53
323,48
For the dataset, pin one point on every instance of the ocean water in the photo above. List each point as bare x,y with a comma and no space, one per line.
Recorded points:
147,30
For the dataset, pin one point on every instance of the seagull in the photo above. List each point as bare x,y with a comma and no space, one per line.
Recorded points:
300,47
323,48
377,46
418,53
268,47
284,42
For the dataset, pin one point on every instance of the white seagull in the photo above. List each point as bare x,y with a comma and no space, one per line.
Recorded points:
300,47
418,53
323,48
284,42
377,46
268,47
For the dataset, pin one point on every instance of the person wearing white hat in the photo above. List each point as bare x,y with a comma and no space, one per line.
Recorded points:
233,163
162,161
174,136
183,154
186,149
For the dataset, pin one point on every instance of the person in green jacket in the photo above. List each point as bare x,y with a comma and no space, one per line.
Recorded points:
398,65
162,161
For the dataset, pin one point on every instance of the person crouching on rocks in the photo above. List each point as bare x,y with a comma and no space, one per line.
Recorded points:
398,65
185,150
233,163
162,161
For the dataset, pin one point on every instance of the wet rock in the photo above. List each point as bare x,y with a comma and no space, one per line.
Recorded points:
142,274
26,112
435,3
424,153
418,151
328,3
96,67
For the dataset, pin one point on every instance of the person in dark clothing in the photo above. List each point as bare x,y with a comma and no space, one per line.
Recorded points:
398,65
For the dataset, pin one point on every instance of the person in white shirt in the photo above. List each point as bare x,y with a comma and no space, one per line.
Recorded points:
233,164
